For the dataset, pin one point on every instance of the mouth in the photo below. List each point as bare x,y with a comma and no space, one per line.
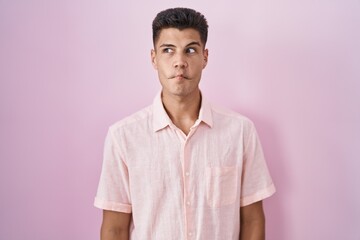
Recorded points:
179,76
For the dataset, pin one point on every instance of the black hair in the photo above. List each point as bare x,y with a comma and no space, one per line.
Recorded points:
180,18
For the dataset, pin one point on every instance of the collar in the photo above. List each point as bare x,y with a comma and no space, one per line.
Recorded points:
161,119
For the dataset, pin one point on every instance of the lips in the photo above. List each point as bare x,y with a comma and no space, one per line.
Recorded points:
179,76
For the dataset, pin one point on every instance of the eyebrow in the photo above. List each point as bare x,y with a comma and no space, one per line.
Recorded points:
193,43
166,45
171,45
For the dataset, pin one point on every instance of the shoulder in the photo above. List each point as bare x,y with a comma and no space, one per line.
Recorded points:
234,124
136,119
221,114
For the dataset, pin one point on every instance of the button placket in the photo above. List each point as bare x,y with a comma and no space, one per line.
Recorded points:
187,188
185,157
186,193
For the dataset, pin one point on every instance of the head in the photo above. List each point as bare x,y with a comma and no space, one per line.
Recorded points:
180,18
179,54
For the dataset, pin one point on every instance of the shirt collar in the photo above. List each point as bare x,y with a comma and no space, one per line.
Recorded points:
162,120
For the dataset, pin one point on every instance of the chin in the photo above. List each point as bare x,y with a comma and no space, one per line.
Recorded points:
182,92
179,91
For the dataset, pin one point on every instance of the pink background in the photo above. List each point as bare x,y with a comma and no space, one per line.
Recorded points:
70,68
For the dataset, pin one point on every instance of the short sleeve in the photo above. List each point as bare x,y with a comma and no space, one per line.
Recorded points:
256,180
113,189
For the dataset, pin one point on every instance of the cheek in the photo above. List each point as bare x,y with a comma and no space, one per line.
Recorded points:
162,72
164,66
198,66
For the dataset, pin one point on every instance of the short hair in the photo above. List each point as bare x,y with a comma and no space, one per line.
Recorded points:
180,18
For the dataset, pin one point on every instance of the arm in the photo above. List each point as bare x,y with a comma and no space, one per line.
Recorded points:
115,225
252,222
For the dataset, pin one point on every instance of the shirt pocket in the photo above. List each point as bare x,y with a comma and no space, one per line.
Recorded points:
221,186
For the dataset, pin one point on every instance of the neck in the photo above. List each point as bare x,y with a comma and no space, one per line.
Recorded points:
183,111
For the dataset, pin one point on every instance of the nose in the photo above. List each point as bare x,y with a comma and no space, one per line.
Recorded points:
180,61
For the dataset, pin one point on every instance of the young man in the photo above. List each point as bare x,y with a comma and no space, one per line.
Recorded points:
182,168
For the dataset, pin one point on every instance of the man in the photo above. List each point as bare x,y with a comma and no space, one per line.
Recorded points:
182,168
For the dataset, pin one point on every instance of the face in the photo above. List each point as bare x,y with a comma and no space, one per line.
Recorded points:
179,57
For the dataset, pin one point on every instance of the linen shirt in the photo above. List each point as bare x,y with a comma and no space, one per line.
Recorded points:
181,186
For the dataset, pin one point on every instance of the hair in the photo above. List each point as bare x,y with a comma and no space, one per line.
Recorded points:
180,18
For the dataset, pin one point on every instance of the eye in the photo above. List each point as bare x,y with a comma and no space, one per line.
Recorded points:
190,50
167,50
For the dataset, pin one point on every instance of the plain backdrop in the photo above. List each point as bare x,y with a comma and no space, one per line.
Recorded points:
70,68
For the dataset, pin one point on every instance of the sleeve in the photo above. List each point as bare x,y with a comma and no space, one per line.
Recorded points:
256,180
113,190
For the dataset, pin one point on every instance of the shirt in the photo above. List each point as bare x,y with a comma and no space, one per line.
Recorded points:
181,186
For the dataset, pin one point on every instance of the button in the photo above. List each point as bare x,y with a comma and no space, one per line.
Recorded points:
190,233
187,174
188,203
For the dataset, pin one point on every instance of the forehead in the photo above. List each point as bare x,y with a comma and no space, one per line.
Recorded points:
178,37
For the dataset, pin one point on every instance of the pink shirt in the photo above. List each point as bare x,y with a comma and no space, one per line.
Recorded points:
183,187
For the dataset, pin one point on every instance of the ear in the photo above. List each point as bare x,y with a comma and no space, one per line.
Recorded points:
153,59
206,55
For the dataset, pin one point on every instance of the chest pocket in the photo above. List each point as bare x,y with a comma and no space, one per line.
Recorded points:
221,186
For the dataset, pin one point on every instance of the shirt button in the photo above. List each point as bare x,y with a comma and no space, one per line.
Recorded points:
188,203
187,174
190,233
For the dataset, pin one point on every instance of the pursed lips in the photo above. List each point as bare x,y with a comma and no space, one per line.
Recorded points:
179,76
